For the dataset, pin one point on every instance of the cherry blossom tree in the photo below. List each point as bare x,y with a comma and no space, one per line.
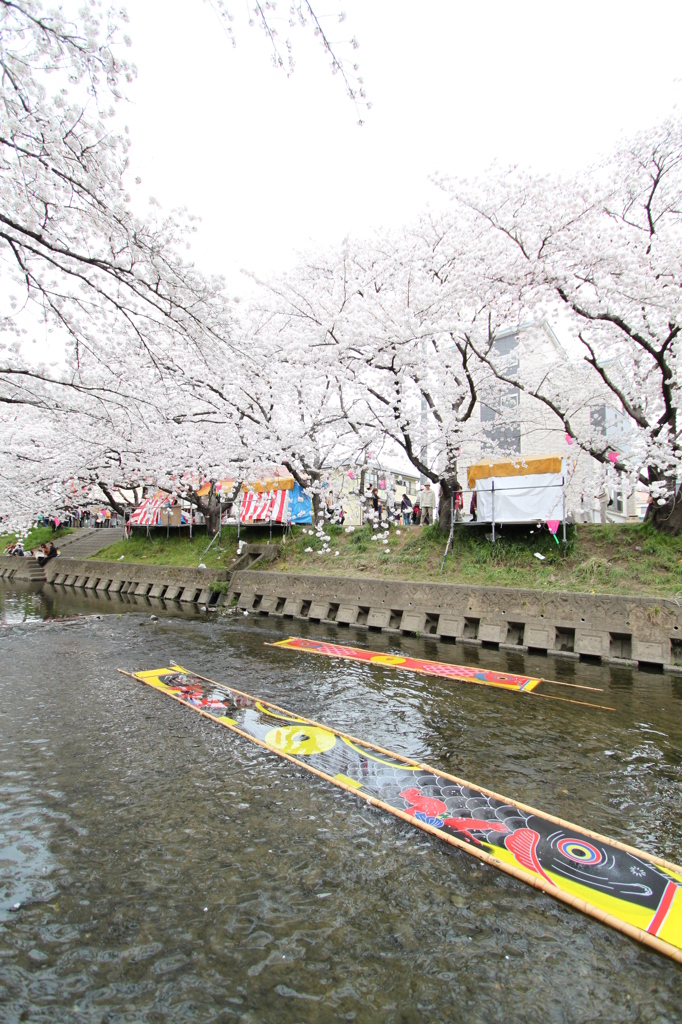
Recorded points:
143,343
603,252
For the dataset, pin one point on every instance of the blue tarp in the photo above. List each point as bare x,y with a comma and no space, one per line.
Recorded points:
300,506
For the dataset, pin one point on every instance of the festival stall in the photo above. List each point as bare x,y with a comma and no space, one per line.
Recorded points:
527,489
286,502
158,510
272,497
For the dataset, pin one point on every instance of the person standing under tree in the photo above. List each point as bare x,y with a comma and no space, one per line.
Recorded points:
376,504
428,504
406,509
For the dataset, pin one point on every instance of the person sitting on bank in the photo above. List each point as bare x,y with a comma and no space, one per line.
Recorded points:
428,504
45,553
406,509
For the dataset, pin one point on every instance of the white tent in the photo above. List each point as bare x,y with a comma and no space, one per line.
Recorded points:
521,490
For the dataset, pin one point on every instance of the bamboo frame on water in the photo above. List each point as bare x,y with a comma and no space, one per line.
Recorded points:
638,934
423,672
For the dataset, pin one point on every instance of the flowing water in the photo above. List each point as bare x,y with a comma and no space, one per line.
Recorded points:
167,870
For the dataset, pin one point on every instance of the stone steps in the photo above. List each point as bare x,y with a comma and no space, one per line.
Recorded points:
87,541
25,569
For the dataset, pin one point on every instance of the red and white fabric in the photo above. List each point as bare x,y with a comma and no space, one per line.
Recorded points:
148,513
263,507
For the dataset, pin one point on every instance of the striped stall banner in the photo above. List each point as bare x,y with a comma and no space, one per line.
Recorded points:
147,514
264,506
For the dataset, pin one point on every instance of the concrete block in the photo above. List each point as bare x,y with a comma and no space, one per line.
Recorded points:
59,578
379,618
651,652
126,586
492,632
173,592
157,590
103,586
449,627
292,606
115,586
538,636
69,581
347,614
413,622
318,610
205,596
91,582
267,605
245,601
189,593
590,643
81,581
142,589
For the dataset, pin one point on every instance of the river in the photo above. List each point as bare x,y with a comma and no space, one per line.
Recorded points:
167,870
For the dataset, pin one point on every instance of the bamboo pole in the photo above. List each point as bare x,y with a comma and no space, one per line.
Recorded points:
577,686
567,700
525,876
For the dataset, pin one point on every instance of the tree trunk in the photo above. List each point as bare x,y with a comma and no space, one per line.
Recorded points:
117,507
212,511
209,508
448,485
666,518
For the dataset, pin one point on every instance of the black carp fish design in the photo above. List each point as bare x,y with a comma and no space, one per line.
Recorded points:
621,885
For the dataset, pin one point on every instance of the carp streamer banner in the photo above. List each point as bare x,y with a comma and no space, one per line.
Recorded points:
522,684
628,889
443,669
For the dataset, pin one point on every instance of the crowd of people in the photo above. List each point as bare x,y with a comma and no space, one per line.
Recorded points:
420,512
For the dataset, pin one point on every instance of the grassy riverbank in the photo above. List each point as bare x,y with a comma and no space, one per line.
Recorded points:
629,559
178,550
36,535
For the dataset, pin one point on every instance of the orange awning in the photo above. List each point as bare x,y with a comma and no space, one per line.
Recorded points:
522,466
222,486
275,478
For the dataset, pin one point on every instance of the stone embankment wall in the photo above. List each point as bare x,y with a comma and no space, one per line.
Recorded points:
25,569
172,583
169,582
613,628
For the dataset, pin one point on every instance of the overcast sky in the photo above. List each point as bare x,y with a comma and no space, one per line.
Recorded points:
274,164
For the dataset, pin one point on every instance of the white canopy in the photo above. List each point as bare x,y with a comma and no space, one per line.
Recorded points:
530,498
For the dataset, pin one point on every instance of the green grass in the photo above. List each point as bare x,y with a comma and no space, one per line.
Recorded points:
36,535
601,559
179,551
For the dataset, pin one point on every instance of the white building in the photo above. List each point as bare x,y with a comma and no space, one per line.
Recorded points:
510,422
